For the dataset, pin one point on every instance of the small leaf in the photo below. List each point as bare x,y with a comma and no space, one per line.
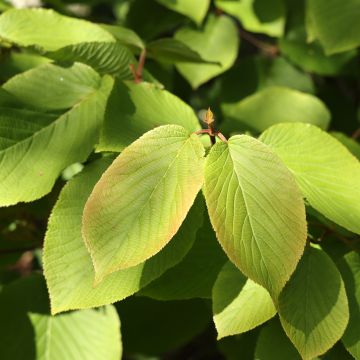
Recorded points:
216,42
88,334
68,268
350,270
313,307
327,173
256,210
275,105
331,21
143,197
47,29
239,304
259,16
142,107
195,10
36,147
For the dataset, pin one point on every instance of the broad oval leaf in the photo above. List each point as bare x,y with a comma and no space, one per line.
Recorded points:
274,105
239,304
350,270
92,334
48,29
256,210
35,147
313,307
259,16
195,10
327,173
68,269
216,42
141,200
142,107
331,21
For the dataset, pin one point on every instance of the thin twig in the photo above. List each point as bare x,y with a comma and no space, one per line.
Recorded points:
268,49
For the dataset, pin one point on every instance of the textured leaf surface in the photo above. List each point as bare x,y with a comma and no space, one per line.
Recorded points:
335,23
273,344
239,304
105,57
275,105
68,268
195,10
35,148
256,210
260,16
87,334
48,29
327,173
313,307
140,202
195,275
217,42
350,271
142,107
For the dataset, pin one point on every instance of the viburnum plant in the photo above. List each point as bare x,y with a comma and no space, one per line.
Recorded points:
150,193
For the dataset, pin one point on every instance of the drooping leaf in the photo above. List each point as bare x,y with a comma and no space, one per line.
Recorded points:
172,50
239,304
335,23
216,42
105,57
195,10
259,16
141,200
144,332
274,105
195,275
256,210
273,344
47,29
87,334
350,270
327,173
142,107
68,268
35,148
313,306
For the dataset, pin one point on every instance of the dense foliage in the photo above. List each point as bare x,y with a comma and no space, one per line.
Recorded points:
225,233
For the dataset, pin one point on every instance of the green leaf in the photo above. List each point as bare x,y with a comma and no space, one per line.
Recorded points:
313,307
256,210
172,50
274,105
195,10
273,344
239,304
125,36
52,87
350,270
331,21
35,148
158,327
216,42
259,16
104,57
68,268
195,275
48,29
327,173
141,200
87,334
351,144
142,107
